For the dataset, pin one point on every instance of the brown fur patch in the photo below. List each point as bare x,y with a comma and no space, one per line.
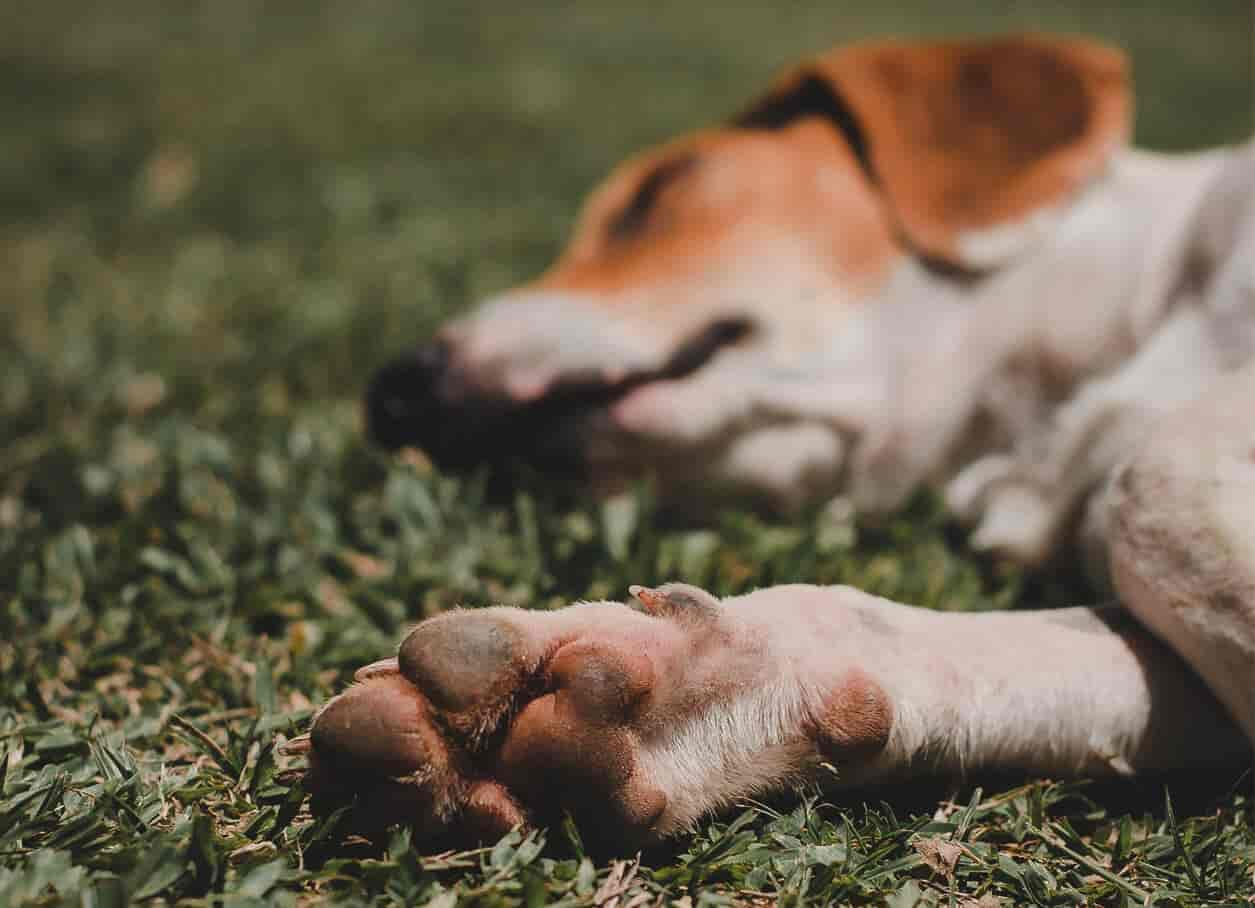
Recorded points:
855,720
965,136
751,188
857,155
635,215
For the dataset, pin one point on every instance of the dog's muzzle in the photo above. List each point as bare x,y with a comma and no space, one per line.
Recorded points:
421,400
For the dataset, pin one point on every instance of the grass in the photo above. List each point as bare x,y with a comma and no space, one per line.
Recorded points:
215,220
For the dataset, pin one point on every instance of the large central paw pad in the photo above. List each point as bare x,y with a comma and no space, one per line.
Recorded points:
470,666
492,718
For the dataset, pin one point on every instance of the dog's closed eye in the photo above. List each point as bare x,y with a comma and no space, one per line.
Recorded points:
633,217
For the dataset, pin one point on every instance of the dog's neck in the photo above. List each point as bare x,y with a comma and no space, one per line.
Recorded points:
1006,348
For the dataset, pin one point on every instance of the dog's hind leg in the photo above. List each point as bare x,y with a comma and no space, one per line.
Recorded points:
1182,536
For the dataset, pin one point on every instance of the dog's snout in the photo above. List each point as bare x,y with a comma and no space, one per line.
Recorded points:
429,400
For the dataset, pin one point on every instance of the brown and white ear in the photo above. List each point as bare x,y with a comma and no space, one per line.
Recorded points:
976,146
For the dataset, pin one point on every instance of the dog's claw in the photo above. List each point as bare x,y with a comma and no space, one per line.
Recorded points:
653,601
382,667
675,600
298,746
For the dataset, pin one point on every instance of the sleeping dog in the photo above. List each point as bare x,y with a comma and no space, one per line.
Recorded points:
907,263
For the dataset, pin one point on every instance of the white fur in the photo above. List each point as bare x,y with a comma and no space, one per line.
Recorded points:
993,247
750,745
1183,538
1061,692
536,336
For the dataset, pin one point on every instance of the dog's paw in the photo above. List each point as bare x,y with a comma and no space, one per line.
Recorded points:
634,722
495,718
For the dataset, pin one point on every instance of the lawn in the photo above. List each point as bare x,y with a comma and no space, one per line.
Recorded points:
215,220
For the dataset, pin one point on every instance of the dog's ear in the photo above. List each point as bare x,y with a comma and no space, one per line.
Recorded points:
974,144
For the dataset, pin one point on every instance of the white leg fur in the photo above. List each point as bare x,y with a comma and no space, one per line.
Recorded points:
1062,692
1066,691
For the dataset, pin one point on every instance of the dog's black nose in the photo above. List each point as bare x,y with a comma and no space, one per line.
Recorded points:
404,401
423,400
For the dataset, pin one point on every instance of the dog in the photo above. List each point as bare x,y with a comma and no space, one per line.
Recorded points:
906,264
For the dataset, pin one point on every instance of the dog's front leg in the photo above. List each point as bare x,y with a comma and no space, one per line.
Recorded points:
639,722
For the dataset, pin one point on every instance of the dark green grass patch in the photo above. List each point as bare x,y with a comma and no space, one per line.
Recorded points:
215,221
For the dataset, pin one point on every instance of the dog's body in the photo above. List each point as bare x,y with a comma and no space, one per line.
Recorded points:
908,263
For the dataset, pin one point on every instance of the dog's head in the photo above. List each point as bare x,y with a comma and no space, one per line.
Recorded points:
759,251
